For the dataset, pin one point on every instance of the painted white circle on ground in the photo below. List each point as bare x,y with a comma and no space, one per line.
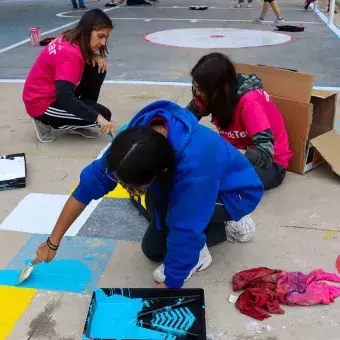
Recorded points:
217,38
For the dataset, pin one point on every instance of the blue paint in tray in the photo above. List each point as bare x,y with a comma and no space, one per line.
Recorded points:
121,314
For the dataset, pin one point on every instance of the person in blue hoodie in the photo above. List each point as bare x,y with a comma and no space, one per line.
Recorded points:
199,190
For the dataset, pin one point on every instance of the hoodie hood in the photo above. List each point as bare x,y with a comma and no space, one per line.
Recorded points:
247,83
180,122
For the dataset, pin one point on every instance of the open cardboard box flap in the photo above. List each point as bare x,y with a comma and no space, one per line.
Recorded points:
328,145
281,82
322,93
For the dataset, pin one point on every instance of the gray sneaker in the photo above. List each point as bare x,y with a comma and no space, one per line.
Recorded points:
258,21
279,22
43,131
86,133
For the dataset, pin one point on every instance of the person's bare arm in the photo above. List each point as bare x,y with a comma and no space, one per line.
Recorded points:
69,214
93,185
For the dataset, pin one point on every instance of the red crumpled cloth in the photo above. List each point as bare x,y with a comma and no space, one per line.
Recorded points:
266,288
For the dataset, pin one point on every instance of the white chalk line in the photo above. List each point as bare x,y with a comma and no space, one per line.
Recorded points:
213,20
160,83
226,8
25,41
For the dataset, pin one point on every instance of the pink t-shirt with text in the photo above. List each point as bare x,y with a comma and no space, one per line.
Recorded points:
59,60
256,112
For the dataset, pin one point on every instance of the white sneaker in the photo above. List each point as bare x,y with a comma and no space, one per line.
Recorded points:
241,231
279,22
249,6
203,263
258,21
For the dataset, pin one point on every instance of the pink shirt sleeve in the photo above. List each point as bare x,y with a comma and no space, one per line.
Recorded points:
69,66
254,118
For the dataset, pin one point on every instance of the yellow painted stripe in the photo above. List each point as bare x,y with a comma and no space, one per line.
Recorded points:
118,192
13,302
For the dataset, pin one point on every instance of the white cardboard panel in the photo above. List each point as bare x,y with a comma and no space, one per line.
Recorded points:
38,213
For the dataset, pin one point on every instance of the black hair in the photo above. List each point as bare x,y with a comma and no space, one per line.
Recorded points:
140,154
215,75
92,20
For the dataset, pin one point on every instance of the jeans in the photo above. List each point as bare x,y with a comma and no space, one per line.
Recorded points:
74,3
154,244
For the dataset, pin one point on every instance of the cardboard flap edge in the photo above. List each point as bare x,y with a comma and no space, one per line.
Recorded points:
328,145
323,94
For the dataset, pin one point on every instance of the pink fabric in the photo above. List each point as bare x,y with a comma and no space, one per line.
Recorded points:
265,288
59,60
256,112
305,290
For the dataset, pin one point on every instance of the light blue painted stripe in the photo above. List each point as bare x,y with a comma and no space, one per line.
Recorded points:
77,268
323,17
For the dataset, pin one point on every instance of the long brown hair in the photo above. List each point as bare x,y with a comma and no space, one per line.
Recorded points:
92,20
216,76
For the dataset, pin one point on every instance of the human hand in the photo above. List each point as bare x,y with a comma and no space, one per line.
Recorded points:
101,62
105,126
161,285
44,254
121,2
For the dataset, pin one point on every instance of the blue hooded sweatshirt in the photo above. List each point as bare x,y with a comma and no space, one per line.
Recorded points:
207,167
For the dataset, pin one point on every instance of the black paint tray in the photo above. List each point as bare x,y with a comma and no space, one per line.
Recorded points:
146,314
12,171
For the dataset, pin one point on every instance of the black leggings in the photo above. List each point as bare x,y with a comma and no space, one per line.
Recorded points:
154,244
272,176
88,92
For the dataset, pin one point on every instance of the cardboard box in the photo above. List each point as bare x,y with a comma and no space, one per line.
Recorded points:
308,115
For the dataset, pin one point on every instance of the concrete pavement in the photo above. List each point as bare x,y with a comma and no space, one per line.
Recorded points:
298,224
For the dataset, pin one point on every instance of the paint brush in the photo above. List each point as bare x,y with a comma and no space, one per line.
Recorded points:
27,271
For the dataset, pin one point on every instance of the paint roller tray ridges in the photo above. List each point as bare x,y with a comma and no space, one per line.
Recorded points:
123,313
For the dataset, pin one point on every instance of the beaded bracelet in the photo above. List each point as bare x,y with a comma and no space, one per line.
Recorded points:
51,245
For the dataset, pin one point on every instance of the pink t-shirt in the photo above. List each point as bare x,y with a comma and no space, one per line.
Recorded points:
59,60
256,112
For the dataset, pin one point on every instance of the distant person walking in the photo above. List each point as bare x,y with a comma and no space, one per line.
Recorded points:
274,5
81,4
239,3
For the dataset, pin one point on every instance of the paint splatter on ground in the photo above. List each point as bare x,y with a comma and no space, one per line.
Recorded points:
337,264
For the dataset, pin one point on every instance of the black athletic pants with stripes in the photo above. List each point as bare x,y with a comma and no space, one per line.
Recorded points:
154,244
88,92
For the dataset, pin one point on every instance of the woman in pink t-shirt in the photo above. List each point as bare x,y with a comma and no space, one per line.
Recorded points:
244,115
62,89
